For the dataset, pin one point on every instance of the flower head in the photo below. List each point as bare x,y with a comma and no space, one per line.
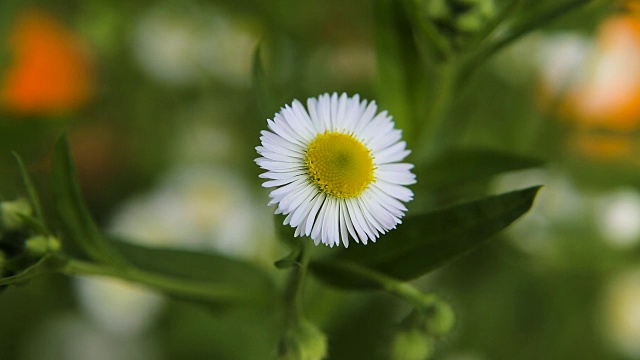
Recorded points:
336,168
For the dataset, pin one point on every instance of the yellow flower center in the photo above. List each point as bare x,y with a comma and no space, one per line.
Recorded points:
339,164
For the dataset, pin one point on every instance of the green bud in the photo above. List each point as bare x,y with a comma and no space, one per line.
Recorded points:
40,245
440,318
469,22
487,9
411,344
303,342
437,9
436,319
458,19
12,213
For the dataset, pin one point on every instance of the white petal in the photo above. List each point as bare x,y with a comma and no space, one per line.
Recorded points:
397,191
311,218
393,153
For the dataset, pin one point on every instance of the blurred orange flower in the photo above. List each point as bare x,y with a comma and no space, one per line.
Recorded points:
608,95
605,148
50,72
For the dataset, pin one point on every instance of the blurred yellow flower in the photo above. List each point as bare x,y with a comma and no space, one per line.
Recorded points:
49,72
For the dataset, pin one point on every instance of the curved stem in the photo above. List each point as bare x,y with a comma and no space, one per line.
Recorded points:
403,290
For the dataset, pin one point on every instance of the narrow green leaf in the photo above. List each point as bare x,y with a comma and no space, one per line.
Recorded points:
392,78
43,266
241,280
78,224
426,242
524,24
460,166
261,88
31,190
291,259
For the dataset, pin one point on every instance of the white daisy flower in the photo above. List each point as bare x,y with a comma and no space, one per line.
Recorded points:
336,168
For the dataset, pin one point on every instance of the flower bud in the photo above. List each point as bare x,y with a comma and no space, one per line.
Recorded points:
411,344
458,20
40,245
436,319
440,319
303,342
13,212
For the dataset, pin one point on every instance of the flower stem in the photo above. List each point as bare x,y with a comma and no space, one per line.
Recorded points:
403,290
174,286
293,292
436,135
528,23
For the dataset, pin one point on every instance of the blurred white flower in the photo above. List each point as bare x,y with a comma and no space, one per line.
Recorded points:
197,142
558,202
68,336
562,62
192,208
182,44
618,217
198,208
116,305
622,313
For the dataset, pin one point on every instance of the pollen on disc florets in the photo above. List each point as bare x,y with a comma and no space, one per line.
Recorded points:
339,164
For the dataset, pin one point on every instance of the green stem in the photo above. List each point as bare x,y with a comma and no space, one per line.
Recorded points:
437,133
293,292
425,26
174,286
519,29
403,290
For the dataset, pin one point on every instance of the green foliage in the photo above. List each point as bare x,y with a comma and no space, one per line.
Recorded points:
240,283
464,165
74,215
30,188
397,63
426,51
425,242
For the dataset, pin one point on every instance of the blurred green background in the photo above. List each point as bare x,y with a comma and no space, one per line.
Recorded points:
159,103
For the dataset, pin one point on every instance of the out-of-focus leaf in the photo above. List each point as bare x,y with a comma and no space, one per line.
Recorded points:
8,12
207,270
264,99
42,266
391,58
460,166
31,190
425,242
78,224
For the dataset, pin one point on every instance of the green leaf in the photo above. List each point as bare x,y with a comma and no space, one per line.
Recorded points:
261,87
426,242
460,166
391,58
31,190
77,222
526,22
237,280
45,265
